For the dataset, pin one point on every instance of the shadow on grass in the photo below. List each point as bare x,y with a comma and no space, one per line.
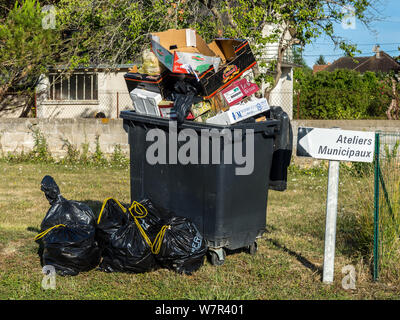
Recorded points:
304,261
33,229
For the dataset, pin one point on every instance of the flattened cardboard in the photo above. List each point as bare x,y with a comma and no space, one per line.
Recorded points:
157,83
177,49
211,82
225,47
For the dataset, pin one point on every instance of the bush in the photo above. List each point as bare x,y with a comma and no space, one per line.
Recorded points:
342,94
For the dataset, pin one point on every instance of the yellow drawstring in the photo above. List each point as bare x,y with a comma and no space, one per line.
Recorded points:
140,209
141,212
159,239
42,234
104,204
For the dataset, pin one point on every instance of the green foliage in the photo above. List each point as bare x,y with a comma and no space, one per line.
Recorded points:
358,169
321,60
73,153
392,154
41,154
342,94
118,158
26,49
116,32
319,170
98,155
84,158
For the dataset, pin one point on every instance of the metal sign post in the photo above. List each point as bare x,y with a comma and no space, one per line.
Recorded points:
330,227
334,145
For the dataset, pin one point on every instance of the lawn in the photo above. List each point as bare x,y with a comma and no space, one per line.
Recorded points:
288,264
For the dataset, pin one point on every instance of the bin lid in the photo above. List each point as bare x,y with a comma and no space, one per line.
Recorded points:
268,126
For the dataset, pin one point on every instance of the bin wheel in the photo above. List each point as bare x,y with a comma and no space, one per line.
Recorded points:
253,248
215,259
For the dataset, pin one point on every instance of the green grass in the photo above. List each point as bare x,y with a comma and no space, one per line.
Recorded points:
287,265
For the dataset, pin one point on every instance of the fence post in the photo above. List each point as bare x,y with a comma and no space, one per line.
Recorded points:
298,105
376,208
117,104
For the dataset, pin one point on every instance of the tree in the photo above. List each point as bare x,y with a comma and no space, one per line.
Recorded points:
26,49
292,22
116,31
92,32
320,61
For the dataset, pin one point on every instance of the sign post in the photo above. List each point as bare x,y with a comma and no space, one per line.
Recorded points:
331,215
334,145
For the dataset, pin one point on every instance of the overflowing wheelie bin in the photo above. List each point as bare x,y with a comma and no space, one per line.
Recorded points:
204,143
228,208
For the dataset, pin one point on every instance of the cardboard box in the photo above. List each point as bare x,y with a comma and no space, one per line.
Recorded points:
183,51
239,90
165,108
239,58
154,83
236,56
240,112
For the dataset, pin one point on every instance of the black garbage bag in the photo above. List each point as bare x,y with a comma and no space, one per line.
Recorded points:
67,237
184,96
64,211
70,249
127,251
113,215
182,248
153,219
127,242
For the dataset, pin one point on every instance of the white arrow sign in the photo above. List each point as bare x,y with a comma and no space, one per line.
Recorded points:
334,144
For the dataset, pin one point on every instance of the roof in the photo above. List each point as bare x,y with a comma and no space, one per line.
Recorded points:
318,68
385,63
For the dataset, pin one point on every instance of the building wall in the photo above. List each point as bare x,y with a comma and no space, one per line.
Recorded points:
112,98
282,95
16,134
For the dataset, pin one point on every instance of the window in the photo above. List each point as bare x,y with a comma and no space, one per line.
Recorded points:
78,86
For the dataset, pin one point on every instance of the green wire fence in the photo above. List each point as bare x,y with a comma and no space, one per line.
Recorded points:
386,205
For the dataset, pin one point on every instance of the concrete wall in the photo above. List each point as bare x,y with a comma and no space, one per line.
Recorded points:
16,134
